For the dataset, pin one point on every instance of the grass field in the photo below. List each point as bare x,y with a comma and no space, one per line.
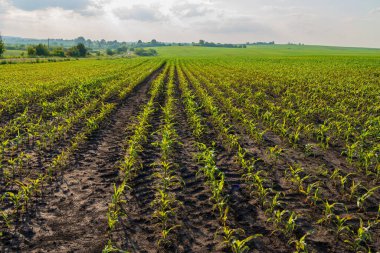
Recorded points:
263,149
275,50
14,53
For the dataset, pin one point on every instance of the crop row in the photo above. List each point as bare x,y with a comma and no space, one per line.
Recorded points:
31,160
297,176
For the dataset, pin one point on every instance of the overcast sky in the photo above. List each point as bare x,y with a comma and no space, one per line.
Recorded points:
327,22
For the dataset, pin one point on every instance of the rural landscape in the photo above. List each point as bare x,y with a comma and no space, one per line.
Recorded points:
152,146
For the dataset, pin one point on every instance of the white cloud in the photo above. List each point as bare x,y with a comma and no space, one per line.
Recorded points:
375,11
143,13
190,10
235,25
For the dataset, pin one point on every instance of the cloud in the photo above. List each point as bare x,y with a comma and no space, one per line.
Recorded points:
189,10
3,6
375,11
142,13
234,25
29,5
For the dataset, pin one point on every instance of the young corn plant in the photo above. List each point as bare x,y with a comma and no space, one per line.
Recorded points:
361,199
341,225
240,246
165,232
115,210
109,248
275,152
343,180
295,175
328,213
290,224
353,189
300,244
360,238
274,203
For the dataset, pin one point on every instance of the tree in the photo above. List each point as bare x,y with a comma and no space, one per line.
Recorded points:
73,52
58,51
80,39
139,42
89,43
31,51
122,49
103,43
82,50
201,42
77,51
110,52
2,46
153,41
143,52
42,50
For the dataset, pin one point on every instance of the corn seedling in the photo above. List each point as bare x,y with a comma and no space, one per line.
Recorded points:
300,245
361,199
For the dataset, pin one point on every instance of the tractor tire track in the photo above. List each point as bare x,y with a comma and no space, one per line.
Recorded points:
199,223
138,232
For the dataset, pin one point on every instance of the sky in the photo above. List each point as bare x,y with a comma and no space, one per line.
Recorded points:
322,22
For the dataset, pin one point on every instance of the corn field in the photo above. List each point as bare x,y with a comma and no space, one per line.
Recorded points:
191,154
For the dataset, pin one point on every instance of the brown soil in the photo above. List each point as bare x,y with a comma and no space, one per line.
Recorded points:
138,231
199,222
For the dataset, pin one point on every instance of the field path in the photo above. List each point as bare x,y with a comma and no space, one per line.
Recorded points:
138,232
74,219
199,222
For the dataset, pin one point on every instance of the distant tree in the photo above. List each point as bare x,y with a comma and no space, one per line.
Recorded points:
145,52
201,42
77,51
2,46
58,51
42,50
153,41
73,52
103,43
82,50
80,39
89,43
122,49
110,52
31,51
139,42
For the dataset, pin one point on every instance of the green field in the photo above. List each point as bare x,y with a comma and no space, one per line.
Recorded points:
13,53
268,50
263,149
275,50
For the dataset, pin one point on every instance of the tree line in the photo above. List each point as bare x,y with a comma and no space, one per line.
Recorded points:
203,43
79,50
